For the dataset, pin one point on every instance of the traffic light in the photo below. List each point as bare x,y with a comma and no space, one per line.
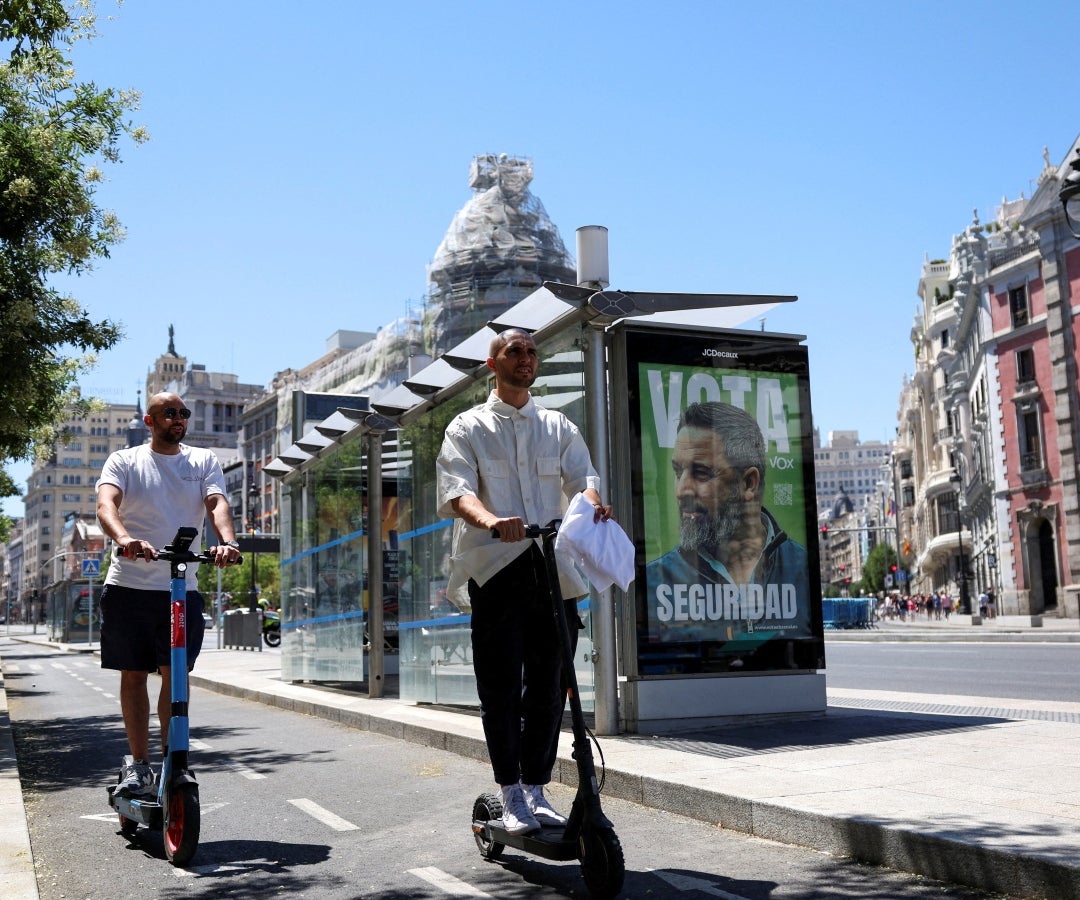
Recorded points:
892,568
824,532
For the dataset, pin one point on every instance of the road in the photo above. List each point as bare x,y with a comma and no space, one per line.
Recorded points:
303,807
1022,671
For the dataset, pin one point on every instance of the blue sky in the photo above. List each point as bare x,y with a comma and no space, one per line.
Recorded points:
306,160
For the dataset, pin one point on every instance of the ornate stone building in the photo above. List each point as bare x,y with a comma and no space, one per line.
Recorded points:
990,422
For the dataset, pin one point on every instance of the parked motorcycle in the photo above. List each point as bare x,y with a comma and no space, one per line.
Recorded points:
271,627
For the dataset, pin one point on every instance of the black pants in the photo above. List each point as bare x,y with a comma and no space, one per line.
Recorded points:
518,669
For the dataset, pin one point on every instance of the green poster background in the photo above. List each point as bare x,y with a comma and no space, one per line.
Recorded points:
665,390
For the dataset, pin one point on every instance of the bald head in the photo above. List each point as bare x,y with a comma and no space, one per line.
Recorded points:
505,337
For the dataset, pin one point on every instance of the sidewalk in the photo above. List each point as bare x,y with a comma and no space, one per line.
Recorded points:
968,790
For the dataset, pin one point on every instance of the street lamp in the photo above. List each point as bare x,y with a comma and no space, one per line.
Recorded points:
253,497
965,604
1070,196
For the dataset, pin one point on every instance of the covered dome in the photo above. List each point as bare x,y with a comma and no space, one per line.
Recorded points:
500,247
842,504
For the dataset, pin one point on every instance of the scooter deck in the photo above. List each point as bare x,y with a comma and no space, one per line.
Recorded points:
550,842
146,811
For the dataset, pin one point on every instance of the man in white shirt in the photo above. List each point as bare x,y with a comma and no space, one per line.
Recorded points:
144,495
503,465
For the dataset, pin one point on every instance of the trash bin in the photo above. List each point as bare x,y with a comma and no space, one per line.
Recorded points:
243,630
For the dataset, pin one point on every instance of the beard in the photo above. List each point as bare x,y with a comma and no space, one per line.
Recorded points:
168,436
704,530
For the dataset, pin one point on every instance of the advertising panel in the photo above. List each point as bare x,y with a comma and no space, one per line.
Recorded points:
721,461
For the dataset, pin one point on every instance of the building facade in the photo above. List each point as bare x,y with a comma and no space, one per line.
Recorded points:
988,425
62,491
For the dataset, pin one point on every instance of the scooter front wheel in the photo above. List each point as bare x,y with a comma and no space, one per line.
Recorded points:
602,863
487,808
181,824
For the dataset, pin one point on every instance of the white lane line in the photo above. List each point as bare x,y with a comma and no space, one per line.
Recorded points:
324,815
447,883
246,771
12,667
199,745
689,883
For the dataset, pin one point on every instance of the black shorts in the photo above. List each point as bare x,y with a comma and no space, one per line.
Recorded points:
135,633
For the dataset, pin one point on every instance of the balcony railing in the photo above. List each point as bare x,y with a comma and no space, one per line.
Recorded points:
1030,461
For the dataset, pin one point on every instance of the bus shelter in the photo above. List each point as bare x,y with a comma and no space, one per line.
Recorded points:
365,559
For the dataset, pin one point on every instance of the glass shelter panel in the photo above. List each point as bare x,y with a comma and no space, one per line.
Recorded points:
324,559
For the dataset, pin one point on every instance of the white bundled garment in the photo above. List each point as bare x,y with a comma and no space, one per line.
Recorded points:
602,549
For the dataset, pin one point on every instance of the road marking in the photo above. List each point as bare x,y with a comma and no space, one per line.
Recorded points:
246,771
324,815
216,869
447,883
12,667
688,883
199,745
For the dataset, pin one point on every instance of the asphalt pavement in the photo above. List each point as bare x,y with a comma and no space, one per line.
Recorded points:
886,777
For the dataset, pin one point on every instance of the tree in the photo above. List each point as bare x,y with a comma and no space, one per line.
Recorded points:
878,564
55,135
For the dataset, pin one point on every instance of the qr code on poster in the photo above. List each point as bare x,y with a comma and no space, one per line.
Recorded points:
781,494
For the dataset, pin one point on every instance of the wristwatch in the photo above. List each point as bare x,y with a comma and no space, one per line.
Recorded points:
232,544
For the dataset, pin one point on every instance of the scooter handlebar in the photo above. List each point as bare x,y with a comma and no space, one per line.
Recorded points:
534,531
166,555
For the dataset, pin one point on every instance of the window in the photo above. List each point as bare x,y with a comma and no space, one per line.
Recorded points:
948,513
1025,366
944,338
1029,439
1018,305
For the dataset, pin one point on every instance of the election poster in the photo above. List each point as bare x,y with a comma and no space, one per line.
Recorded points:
721,449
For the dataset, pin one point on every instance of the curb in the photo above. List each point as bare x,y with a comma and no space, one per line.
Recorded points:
17,876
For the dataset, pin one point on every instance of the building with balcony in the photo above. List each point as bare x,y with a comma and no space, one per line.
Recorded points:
989,424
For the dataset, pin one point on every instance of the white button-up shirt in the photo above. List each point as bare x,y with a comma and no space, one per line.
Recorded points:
524,462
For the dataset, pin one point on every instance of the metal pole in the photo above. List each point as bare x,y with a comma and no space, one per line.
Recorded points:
592,270
376,661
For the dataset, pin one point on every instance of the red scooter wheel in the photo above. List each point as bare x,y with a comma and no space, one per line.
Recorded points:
181,825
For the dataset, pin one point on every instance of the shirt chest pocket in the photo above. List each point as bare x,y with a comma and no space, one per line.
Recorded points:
549,480
493,468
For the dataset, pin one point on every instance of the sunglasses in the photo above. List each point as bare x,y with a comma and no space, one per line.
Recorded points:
171,412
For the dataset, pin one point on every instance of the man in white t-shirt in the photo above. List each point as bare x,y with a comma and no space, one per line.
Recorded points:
144,495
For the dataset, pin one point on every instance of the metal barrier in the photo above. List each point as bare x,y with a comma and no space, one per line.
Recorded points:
846,612
243,630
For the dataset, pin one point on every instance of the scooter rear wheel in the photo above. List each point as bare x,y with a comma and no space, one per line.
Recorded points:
182,824
272,638
487,808
602,863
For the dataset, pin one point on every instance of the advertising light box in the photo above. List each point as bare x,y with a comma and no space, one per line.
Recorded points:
720,461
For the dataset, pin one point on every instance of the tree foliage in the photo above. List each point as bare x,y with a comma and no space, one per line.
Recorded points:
877,566
56,133
236,580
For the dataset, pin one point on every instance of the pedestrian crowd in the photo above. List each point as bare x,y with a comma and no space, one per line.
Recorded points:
933,607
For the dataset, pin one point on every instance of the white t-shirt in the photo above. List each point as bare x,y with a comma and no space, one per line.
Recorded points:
161,493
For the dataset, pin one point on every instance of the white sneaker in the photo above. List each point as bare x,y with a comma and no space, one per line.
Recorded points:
542,811
517,819
138,780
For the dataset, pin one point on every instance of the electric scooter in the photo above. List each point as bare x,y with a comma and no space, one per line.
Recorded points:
588,835
174,810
